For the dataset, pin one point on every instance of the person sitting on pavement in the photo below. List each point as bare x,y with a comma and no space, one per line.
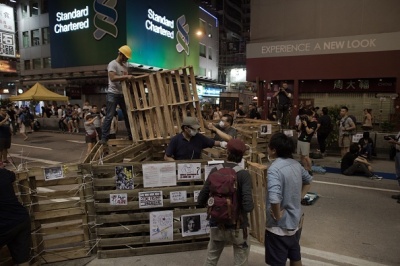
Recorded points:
189,143
396,142
15,223
354,164
223,130
367,145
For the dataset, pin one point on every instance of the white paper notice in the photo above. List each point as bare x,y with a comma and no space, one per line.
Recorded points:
161,226
189,171
178,196
159,175
207,170
119,199
288,133
150,199
195,224
196,195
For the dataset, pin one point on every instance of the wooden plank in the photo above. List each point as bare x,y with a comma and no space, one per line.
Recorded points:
57,182
64,241
131,217
129,102
166,248
106,207
58,205
50,256
59,194
58,213
62,228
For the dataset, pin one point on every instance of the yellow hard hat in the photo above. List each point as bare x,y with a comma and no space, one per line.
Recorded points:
125,50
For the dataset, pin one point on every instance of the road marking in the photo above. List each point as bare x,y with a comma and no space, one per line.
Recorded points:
34,147
33,159
353,186
325,256
76,141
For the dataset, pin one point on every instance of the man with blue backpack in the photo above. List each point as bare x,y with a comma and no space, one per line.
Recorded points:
228,194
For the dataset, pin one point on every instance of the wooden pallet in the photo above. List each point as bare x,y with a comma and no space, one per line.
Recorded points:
158,102
124,230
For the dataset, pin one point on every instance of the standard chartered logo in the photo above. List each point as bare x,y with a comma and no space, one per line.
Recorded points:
182,35
105,18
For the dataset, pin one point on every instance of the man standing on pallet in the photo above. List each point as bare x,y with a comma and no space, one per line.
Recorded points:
117,73
189,144
238,202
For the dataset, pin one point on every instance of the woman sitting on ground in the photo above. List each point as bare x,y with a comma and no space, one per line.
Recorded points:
354,164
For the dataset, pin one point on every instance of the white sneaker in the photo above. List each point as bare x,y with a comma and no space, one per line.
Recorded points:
375,177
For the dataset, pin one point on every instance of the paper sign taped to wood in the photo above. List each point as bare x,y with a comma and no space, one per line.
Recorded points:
150,199
124,176
189,171
196,195
178,196
195,224
159,174
51,173
356,138
119,199
161,226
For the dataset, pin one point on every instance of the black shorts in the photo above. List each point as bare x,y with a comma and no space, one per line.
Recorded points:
5,143
18,241
89,139
280,248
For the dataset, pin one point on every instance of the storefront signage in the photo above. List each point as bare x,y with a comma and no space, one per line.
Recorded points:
336,45
159,29
349,85
7,44
7,22
64,17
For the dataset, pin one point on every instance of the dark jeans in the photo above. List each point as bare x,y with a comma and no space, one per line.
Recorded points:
358,169
367,149
112,101
322,141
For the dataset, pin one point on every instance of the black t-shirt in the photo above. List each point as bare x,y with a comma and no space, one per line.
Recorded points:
347,161
303,135
325,124
254,114
12,212
11,114
283,99
4,129
240,112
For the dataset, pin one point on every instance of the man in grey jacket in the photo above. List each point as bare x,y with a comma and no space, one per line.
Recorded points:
288,182
229,233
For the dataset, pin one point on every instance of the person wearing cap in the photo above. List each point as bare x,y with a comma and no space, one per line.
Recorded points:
228,233
189,143
287,184
15,223
117,73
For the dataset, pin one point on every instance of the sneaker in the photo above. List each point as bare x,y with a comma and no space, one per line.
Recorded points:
375,177
103,142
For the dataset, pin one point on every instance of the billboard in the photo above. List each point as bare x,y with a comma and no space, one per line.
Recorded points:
89,32
7,31
86,32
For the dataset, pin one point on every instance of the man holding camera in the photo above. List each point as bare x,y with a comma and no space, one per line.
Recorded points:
284,98
306,127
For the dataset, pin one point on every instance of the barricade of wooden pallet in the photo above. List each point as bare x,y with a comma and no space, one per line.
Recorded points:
124,230
59,214
158,102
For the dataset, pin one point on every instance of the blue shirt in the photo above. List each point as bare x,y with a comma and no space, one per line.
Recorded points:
285,180
182,149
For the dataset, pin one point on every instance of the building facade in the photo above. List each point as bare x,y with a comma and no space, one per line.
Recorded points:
331,53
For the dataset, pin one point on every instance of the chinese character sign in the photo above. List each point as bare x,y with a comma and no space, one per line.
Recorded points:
7,19
7,44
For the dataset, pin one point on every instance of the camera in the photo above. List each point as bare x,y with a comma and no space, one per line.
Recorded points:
303,117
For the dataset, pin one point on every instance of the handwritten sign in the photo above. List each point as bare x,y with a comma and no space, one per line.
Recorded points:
159,175
356,138
119,199
178,196
189,171
151,199
161,226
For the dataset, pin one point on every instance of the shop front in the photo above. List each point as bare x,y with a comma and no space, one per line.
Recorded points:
357,71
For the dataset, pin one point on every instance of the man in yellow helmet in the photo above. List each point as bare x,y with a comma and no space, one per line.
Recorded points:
117,72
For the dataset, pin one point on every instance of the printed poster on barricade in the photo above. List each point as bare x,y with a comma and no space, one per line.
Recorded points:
51,173
195,224
213,164
161,226
159,174
356,138
288,133
178,196
119,199
196,195
265,129
189,171
125,177
150,199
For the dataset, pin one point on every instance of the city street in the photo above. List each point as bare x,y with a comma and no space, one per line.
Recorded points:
354,222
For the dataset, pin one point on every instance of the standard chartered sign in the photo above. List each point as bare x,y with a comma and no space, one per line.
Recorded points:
67,21
166,28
